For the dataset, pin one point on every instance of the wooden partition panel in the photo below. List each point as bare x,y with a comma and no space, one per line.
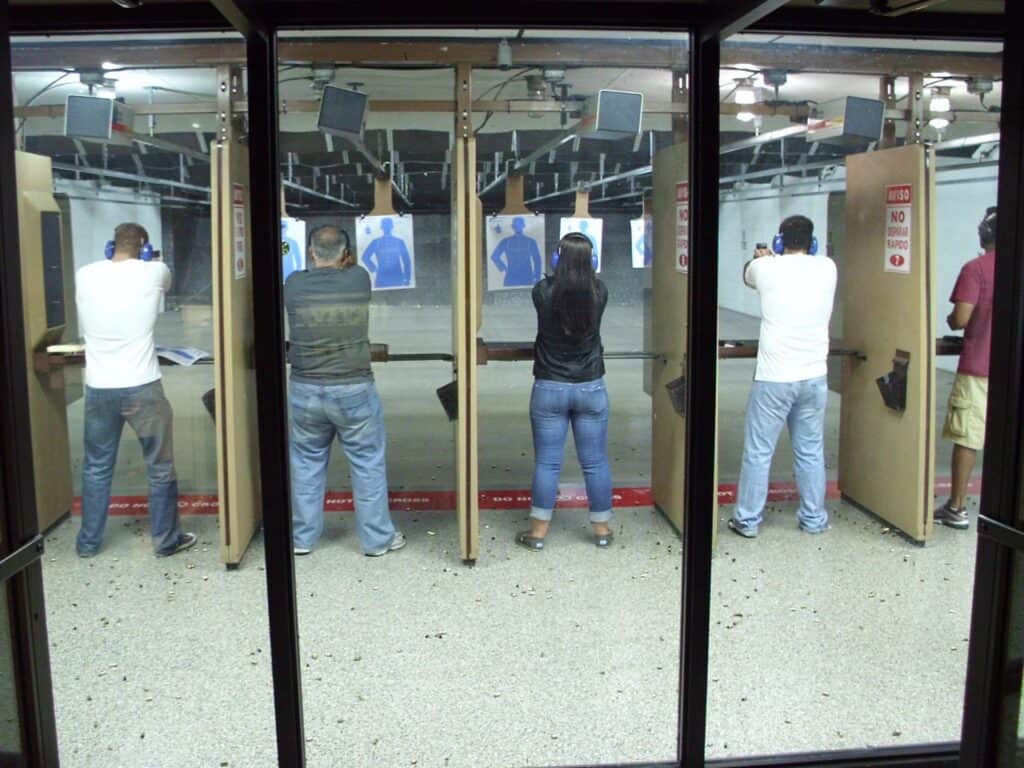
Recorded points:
886,456
238,462
669,303
51,452
467,235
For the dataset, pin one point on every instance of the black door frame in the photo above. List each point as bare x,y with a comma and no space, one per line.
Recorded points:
259,22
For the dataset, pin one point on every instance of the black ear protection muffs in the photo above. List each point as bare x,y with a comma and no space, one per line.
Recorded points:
987,227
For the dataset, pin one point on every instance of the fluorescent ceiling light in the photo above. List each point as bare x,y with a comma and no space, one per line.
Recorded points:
940,100
938,123
745,92
744,117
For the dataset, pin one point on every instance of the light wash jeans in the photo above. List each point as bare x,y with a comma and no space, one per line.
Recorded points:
149,415
801,406
353,413
554,405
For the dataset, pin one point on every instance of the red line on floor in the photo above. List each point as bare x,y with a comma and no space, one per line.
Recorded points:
570,497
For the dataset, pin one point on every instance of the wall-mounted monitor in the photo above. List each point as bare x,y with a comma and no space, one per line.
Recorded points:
342,111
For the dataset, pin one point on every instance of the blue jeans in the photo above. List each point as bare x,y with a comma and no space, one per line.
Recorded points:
353,413
801,406
554,405
149,415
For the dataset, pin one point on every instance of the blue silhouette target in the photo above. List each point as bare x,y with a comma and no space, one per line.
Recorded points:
385,249
640,231
592,228
514,247
293,251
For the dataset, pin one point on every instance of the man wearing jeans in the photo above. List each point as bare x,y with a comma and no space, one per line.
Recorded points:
796,289
331,393
118,303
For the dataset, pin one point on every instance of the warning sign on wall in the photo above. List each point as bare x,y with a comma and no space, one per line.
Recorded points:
238,231
683,226
897,228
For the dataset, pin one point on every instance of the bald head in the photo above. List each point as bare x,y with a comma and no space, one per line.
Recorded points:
330,247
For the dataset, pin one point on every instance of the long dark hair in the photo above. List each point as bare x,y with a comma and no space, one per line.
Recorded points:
574,296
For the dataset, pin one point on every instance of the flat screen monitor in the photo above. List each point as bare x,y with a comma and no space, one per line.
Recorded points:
341,111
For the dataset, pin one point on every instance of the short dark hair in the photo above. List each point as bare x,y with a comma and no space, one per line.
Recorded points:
130,237
987,227
328,243
797,232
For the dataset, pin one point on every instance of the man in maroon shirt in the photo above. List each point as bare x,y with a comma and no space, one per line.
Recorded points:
965,417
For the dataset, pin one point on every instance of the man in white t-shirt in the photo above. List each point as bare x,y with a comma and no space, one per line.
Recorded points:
118,303
797,288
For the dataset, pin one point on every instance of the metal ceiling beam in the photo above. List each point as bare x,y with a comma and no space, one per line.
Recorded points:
237,14
122,176
739,15
345,52
313,193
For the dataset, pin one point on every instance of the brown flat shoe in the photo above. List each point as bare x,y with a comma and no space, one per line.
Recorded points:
525,539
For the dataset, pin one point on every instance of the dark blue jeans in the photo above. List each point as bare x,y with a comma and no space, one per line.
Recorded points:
149,415
554,406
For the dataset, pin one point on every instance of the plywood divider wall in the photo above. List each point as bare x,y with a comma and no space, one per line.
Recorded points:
51,450
887,457
669,304
467,239
238,462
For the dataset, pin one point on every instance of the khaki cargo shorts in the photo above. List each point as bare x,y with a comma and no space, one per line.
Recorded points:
965,419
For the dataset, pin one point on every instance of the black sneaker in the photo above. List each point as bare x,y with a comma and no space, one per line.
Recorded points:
187,541
949,515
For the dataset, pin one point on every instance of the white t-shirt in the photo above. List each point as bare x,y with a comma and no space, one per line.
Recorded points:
796,291
118,303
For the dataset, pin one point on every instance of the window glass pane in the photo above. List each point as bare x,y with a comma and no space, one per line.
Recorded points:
10,713
832,627
152,658
415,656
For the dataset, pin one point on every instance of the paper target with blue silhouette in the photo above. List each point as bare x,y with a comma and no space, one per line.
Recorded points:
385,249
293,246
641,236
515,248
592,228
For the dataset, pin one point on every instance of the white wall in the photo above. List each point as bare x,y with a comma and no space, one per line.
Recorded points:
962,197
95,211
742,224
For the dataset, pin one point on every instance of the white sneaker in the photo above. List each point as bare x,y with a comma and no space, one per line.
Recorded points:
302,550
396,543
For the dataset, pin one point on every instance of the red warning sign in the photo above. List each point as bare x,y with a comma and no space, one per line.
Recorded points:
898,199
683,226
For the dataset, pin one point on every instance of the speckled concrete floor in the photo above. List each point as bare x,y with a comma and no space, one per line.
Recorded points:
850,639
853,638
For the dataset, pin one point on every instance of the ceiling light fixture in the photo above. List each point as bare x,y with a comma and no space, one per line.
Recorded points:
128,3
940,99
939,123
744,117
745,93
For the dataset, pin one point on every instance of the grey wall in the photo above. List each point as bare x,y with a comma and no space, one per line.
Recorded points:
186,245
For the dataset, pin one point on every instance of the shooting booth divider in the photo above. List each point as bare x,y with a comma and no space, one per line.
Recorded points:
238,461
669,321
43,264
887,419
